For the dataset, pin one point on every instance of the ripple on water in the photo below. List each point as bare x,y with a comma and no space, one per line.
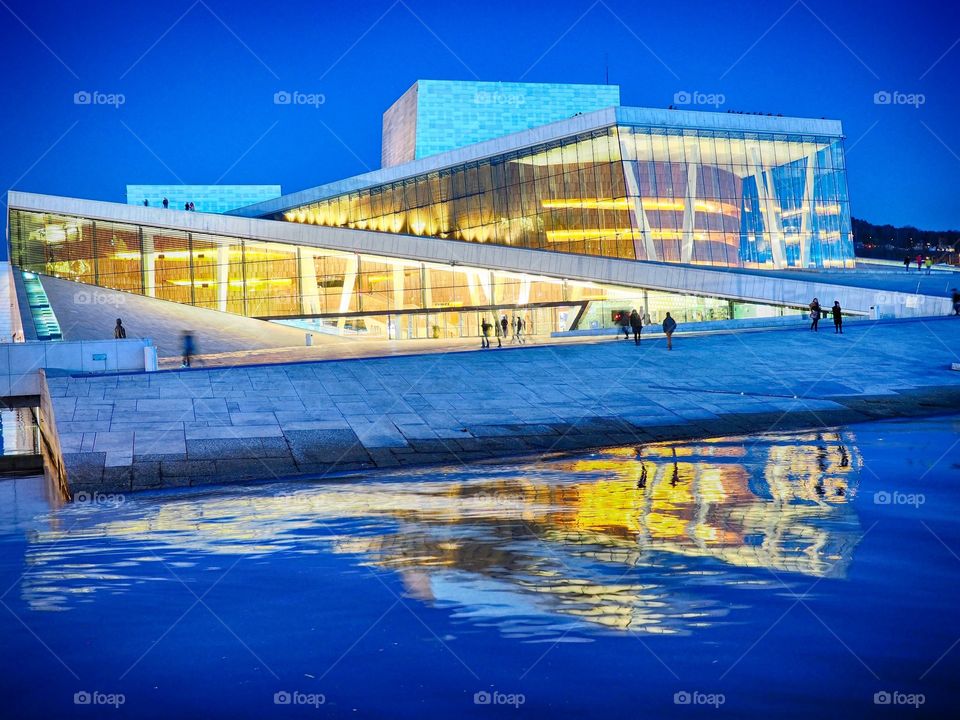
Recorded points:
624,540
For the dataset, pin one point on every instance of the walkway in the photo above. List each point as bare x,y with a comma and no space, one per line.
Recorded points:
226,425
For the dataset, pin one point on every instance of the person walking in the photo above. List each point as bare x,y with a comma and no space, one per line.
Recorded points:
669,325
504,324
928,264
119,331
956,302
189,348
624,320
146,203
166,203
636,324
919,262
484,334
837,317
513,330
906,263
521,326
815,315
496,331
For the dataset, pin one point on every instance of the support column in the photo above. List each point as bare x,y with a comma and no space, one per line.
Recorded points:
398,286
308,282
770,211
349,283
644,247
689,208
149,264
806,214
223,276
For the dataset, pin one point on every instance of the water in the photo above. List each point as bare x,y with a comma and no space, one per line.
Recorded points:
784,574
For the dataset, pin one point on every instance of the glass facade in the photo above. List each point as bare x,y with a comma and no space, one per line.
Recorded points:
330,290
704,197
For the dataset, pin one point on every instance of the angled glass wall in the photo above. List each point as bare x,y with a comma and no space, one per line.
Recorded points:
331,290
660,194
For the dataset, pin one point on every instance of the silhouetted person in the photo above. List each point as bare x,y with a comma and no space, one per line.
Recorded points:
906,263
625,324
119,331
636,324
956,301
669,325
189,348
919,262
166,203
193,208
484,333
186,206
146,203
837,317
504,324
814,315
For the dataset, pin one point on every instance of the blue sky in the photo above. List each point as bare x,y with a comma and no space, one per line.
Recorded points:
198,79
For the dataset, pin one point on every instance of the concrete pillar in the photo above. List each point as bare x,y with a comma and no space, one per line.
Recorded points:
308,282
223,276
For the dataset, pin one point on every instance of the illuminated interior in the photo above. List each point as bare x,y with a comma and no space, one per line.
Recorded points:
334,291
670,195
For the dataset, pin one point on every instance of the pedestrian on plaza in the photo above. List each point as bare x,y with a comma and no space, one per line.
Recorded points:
166,203
906,263
814,315
496,330
837,318
919,262
956,302
513,330
119,331
484,333
186,206
193,208
669,325
521,326
146,203
928,263
189,348
504,324
623,317
646,318
636,324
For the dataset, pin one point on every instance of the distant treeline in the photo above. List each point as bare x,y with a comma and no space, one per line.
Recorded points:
893,243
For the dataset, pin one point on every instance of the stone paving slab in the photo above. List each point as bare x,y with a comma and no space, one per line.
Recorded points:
202,426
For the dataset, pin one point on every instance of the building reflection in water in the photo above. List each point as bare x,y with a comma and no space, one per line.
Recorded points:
656,539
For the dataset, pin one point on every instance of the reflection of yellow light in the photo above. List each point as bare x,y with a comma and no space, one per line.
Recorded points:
590,203
586,234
